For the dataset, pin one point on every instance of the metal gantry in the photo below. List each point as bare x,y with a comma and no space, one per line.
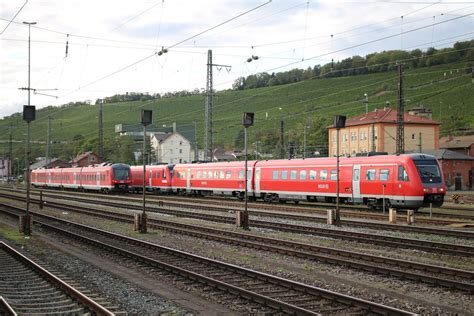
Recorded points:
208,128
400,113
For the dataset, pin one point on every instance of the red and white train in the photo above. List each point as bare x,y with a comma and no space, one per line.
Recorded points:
405,181
104,178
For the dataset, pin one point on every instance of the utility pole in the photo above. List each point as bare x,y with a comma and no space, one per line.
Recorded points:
282,139
48,144
420,149
101,133
373,138
208,129
29,114
400,113
208,110
10,154
366,101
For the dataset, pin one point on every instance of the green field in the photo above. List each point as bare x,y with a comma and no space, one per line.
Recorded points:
447,90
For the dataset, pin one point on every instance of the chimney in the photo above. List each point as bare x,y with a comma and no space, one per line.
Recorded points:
174,127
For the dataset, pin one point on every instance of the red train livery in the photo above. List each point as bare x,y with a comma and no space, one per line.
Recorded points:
158,178
115,177
404,181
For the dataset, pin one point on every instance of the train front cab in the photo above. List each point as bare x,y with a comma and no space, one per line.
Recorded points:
121,179
429,172
419,182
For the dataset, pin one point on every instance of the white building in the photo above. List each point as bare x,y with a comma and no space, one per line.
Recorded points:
4,167
171,148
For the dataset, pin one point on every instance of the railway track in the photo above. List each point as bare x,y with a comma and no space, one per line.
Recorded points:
396,242
248,287
430,274
30,289
348,211
321,208
126,201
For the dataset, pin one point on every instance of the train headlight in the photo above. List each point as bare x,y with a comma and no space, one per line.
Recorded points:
426,190
441,190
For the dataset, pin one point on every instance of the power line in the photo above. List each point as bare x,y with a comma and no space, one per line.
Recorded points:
16,14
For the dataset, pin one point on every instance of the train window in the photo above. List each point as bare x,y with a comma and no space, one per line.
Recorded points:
221,175
402,174
241,174
384,175
216,176
334,175
356,175
370,175
293,174
284,175
228,174
199,174
303,175
323,175
275,175
164,174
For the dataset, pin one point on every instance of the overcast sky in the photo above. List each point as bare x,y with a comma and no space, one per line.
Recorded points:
113,43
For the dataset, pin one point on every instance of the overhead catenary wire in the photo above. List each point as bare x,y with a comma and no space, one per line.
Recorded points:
13,18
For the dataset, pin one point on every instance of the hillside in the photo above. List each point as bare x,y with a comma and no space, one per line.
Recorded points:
446,89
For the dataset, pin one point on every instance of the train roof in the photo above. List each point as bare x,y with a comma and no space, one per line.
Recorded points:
345,160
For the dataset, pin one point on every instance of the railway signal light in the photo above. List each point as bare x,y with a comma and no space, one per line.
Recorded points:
339,121
146,117
29,113
247,119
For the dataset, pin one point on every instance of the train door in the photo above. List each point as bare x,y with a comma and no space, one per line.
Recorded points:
188,181
150,178
257,181
97,176
356,197
249,180
75,178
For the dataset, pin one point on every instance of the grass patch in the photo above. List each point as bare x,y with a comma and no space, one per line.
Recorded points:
11,234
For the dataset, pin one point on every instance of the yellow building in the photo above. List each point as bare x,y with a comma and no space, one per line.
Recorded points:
377,131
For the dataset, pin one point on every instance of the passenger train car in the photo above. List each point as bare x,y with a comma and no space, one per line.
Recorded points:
108,178
158,178
405,181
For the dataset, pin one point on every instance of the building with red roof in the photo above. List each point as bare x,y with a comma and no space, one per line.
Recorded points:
376,131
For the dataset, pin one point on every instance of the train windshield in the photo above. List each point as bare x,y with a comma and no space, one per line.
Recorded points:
428,170
121,172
